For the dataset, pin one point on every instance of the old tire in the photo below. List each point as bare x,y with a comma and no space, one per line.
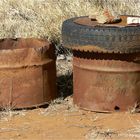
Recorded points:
116,39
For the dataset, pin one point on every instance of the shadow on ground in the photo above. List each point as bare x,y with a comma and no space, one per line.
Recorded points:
65,85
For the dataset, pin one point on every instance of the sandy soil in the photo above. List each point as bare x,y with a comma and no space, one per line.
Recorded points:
64,121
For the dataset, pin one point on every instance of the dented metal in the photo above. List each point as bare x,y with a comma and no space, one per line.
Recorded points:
27,73
105,81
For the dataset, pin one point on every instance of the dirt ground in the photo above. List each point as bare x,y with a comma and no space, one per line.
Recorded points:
62,120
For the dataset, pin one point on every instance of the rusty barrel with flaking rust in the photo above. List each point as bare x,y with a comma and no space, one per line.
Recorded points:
27,73
106,63
106,82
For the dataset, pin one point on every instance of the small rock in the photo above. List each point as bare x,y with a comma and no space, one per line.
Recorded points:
61,57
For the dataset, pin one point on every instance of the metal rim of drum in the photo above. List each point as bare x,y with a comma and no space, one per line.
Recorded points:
99,55
22,52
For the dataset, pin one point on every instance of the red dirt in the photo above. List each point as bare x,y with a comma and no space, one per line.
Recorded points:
62,121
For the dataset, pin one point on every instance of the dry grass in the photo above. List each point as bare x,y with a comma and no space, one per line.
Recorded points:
43,18
7,114
64,80
97,133
100,134
60,106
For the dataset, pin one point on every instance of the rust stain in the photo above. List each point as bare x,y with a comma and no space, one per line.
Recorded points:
97,49
86,52
106,82
27,72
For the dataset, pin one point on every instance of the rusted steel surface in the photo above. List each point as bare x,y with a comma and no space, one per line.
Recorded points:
96,50
88,22
88,54
106,82
27,72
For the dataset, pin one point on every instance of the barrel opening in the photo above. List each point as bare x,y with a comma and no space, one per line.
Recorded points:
116,108
19,43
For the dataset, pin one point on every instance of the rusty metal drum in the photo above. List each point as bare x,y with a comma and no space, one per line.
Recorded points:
106,82
106,63
27,73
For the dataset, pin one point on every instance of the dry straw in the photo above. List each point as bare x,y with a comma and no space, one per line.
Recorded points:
43,18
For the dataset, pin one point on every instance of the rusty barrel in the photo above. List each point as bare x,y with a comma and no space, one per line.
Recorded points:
106,81
27,72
